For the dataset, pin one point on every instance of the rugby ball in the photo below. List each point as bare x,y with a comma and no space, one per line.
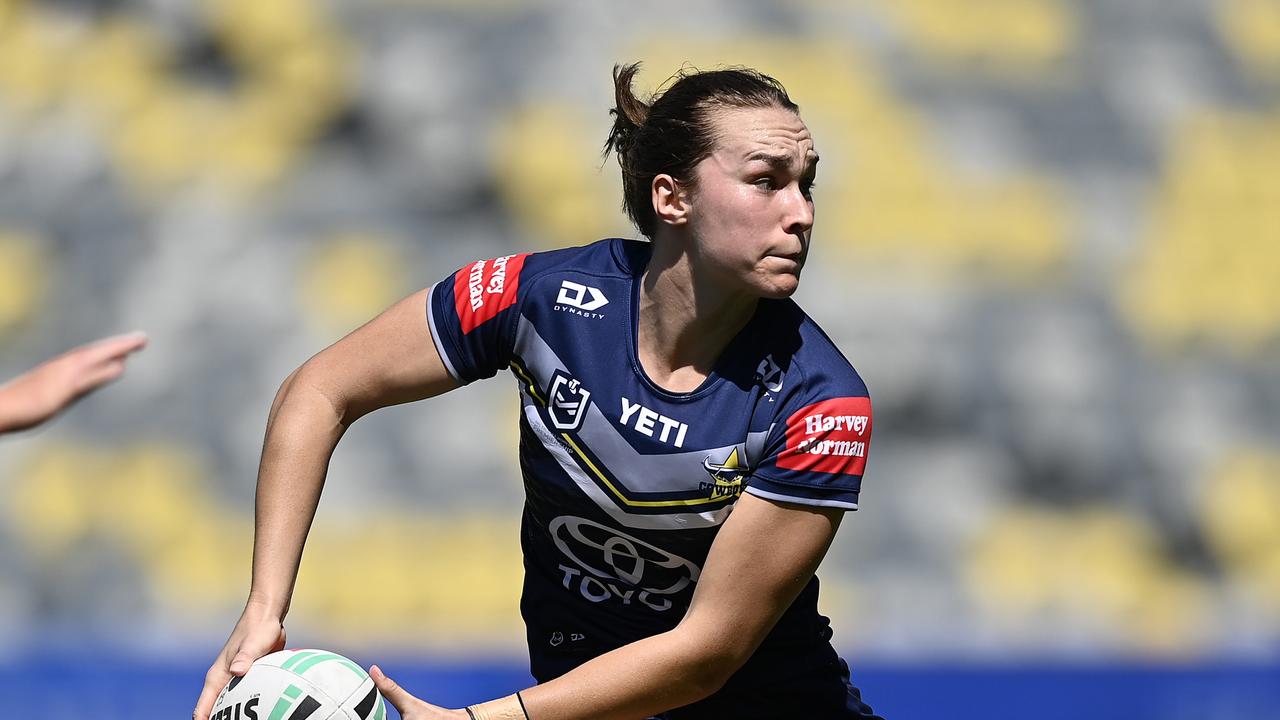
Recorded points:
301,685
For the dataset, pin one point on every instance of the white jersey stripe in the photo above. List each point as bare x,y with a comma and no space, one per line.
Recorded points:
671,521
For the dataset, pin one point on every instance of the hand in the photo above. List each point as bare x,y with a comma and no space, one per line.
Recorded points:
258,633
410,707
47,389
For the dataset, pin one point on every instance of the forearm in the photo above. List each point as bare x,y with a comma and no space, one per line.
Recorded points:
646,677
762,557
303,429
19,408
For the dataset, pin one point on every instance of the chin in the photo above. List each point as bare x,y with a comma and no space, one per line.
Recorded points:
779,287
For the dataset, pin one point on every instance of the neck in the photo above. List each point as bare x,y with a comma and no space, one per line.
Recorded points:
686,319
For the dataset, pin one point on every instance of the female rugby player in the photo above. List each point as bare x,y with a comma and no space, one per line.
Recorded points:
690,439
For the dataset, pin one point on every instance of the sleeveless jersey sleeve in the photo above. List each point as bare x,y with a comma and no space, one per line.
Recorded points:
816,449
473,313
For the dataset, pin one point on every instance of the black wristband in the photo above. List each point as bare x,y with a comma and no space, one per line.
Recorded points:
522,709
469,713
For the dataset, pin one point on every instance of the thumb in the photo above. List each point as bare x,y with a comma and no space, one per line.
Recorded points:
240,663
391,689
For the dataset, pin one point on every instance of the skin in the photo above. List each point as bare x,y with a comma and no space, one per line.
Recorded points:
739,233
41,393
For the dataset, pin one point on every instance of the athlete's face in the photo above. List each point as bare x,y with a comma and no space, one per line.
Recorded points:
751,214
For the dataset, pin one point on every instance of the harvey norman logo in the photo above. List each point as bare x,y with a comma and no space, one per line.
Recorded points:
829,436
580,299
491,286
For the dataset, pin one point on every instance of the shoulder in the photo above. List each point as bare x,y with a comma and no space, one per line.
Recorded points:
583,279
484,288
811,364
608,258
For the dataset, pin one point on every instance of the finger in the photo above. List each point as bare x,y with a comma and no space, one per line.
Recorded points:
214,681
98,363
257,644
241,663
391,690
93,377
113,348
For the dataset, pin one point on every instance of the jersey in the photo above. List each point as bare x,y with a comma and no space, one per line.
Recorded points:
626,483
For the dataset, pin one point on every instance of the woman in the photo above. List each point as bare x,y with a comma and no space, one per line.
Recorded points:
689,438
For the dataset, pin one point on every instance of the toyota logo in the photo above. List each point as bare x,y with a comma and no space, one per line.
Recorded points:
609,553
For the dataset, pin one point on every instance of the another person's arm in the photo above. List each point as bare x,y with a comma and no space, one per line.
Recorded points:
42,392
388,361
761,559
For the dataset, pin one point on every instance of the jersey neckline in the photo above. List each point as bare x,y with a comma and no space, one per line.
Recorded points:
632,257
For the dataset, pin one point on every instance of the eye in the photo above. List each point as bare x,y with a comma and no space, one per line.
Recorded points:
806,187
765,183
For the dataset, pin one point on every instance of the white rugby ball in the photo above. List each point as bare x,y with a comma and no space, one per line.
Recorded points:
301,685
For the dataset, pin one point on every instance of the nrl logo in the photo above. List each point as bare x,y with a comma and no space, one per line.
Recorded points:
567,402
769,375
726,476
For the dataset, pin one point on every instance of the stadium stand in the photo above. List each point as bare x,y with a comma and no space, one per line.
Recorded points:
1048,237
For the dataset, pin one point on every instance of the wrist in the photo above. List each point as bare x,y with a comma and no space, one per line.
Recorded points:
508,708
261,605
21,406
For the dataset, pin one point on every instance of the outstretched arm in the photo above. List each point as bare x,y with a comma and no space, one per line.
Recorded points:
761,559
45,390
388,361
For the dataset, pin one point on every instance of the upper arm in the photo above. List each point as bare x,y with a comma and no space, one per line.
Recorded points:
387,361
762,557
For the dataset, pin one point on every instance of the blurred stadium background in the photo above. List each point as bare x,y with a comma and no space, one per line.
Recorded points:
1048,236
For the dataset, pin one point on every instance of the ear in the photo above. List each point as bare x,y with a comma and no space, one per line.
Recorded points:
670,200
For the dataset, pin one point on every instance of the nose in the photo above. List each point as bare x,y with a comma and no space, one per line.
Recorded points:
798,216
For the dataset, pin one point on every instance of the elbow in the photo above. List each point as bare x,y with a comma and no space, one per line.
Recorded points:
302,391
711,664
705,679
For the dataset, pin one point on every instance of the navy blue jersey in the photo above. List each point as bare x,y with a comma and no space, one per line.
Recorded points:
627,484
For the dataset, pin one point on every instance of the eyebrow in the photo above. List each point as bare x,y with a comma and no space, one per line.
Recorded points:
779,162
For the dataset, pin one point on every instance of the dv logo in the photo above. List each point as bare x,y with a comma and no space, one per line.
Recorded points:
567,401
583,297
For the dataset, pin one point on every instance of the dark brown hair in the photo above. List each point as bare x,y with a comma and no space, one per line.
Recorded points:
674,131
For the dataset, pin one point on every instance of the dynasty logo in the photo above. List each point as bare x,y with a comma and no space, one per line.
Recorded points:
580,299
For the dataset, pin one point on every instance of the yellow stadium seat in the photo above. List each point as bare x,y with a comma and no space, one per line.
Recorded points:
1252,29
886,197
54,497
34,46
116,69
25,276
438,580
1241,521
1207,269
547,161
1009,36
348,279
1093,566
162,128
